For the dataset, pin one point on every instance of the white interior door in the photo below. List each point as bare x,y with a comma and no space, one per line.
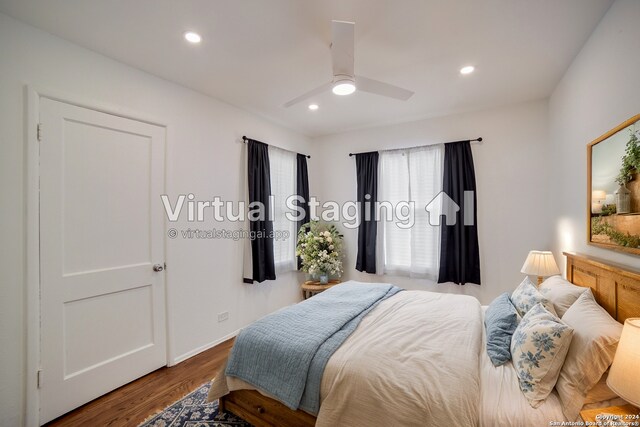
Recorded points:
102,305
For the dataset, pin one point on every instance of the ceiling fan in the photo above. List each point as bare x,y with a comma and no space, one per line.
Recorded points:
345,82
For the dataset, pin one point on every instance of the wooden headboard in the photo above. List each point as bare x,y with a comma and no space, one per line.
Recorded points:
615,287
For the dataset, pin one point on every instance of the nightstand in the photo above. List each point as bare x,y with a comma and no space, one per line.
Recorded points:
312,287
628,413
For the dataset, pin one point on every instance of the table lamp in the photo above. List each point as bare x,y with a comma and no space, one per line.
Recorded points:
541,264
597,200
624,379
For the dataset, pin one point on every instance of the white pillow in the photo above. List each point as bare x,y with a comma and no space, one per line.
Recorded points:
538,348
591,352
526,295
561,293
599,392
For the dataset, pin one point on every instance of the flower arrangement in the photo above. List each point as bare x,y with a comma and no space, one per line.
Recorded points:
319,247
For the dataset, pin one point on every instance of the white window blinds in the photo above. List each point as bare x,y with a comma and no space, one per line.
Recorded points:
410,178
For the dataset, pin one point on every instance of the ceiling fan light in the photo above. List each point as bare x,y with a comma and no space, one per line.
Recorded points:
344,87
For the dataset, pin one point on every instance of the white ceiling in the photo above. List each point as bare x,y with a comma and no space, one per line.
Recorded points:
258,54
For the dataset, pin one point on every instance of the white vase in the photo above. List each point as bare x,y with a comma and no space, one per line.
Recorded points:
324,279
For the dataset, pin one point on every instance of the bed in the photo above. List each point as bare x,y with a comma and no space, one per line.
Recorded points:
418,359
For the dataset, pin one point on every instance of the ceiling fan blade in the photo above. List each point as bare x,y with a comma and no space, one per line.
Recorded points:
309,94
380,88
342,44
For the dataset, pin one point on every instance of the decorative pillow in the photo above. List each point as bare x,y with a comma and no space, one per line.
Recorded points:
538,348
526,296
501,320
599,392
561,293
590,354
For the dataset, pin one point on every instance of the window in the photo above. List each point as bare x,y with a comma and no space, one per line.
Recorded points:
282,166
412,175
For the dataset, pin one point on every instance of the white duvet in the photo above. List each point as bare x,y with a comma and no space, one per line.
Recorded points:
412,361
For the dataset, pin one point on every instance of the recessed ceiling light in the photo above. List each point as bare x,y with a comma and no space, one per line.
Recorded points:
467,70
192,37
313,107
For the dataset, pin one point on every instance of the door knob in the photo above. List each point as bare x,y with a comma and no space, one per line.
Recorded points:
158,267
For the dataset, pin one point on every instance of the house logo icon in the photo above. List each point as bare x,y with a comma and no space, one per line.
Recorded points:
443,205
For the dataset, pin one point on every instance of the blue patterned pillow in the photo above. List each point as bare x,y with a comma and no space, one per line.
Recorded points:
527,295
500,320
538,349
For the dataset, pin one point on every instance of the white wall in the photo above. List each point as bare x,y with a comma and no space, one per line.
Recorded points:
203,157
599,91
512,177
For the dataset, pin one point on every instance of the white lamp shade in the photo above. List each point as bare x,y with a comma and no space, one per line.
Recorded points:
598,195
540,263
624,376
596,207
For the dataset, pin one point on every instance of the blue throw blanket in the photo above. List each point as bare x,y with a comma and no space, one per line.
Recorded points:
284,354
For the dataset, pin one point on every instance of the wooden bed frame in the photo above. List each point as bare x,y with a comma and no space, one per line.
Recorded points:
262,411
615,287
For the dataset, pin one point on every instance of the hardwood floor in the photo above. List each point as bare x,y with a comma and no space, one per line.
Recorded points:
132,403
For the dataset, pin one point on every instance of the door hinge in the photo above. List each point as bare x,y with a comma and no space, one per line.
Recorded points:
39,132
39,378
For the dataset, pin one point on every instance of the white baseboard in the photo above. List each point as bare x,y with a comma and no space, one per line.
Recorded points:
200,349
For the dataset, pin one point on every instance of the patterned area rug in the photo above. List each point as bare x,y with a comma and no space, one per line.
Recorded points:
193,410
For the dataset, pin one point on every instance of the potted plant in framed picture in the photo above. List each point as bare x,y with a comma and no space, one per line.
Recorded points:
320,250
628,173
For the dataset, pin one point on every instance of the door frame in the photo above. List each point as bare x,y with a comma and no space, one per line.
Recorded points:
32,229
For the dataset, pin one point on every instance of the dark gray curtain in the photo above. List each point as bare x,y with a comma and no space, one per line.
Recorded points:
459,251
261,230
367,178
302,189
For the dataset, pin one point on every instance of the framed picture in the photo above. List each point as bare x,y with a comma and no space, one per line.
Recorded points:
613,188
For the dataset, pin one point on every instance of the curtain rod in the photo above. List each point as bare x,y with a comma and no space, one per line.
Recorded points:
479,139
245,139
